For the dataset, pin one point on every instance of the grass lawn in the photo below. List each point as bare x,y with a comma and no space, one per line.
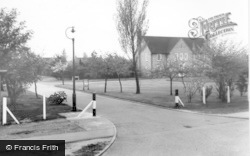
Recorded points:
157,92
28,112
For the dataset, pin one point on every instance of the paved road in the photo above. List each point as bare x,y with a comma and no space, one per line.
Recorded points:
145,130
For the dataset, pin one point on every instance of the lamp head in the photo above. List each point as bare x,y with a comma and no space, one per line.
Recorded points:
73,30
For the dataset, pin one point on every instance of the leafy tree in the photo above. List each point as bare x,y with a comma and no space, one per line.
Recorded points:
107,70
95,66
14,55
120,66
131,26
115,66
59,66
91,67
84,69
20,74
13,36
37,64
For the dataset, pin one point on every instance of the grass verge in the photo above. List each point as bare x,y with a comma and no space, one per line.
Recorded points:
156,92
28,112
91,149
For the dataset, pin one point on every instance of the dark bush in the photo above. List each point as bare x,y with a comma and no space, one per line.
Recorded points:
57,98
242,84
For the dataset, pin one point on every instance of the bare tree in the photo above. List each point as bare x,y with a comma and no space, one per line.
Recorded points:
60,68
131,26
226,61
170,68
192,85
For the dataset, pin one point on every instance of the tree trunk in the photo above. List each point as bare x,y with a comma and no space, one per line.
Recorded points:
171,86
222,91
83,88
105,87
88,84
182,79
120,82
36,90
11,95
138,91
8,88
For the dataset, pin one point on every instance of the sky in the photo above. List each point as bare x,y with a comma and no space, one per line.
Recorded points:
95,26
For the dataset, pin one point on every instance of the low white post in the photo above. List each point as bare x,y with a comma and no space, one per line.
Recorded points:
44,107
204,95
228,94
4,117
5,110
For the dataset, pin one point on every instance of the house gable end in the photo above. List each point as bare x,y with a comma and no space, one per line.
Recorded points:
145,55
181,51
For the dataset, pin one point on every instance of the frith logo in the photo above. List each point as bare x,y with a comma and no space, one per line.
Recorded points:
211,27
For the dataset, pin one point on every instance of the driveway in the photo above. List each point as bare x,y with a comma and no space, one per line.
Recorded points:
144,130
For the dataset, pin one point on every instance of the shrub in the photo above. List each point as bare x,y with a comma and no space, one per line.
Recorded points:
192,86
57,98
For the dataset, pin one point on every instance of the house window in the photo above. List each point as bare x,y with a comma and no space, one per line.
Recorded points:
181,56
159,57
176,56
186,56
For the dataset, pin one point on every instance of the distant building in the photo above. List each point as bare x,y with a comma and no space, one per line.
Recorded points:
155,50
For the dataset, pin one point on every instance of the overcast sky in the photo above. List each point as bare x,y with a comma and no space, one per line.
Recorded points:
95,27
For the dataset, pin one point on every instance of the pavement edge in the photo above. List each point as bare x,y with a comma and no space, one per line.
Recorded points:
112,140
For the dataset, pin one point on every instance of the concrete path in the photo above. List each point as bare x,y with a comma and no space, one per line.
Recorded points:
95,128
148,131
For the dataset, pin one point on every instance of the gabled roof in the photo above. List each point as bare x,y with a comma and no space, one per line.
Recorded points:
163,45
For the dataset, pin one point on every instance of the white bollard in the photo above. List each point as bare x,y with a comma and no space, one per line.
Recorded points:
94,104
4,117
228,94
204,95
177,99
44,107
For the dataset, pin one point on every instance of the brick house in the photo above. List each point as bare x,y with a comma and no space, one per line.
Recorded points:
154,50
